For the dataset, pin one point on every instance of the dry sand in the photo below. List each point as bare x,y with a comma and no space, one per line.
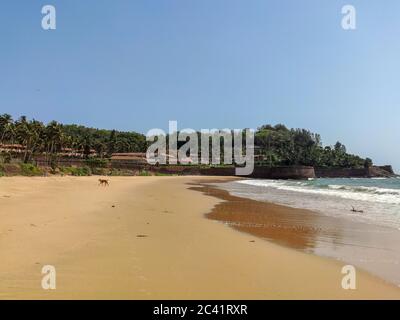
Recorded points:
153,244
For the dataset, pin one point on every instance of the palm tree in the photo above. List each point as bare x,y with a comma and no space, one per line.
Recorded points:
6,127
30,135
53,139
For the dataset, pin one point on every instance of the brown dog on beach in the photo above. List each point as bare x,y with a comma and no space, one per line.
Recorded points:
103,182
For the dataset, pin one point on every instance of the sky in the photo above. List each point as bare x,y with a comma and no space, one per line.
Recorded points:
136,64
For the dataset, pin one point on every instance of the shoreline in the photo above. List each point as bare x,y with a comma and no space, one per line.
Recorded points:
370,247
153,244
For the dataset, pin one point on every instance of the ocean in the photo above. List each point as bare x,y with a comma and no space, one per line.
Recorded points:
378,198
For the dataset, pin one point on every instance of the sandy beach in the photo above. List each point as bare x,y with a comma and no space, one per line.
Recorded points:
148,238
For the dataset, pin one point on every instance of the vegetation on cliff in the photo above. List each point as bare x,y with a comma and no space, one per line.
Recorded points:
282,146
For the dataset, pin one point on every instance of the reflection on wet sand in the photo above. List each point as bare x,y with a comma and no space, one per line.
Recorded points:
370,247
284,225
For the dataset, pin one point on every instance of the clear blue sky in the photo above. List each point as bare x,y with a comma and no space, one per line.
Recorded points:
135,64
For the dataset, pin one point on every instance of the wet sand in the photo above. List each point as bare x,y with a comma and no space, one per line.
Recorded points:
147,238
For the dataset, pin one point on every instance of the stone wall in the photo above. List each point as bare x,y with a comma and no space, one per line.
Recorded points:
289,172
293,172
374,171
261,172
340,172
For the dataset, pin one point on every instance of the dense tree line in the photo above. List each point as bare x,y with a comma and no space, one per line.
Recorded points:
282,146
106,142
275,145
52,138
